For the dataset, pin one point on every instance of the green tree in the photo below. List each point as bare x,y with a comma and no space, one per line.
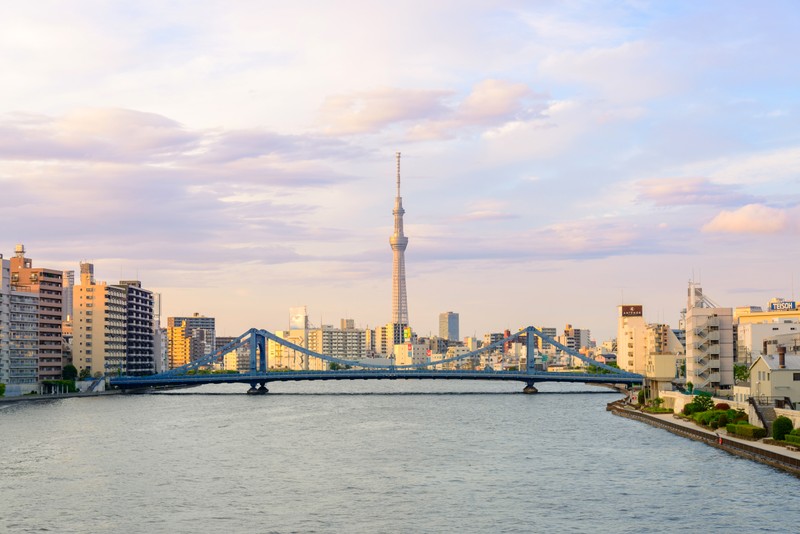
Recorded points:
2,389
740,373
703,402
69,372
85,373
689,387
780,427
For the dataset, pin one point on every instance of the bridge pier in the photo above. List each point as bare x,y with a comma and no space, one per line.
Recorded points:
261,390
530,389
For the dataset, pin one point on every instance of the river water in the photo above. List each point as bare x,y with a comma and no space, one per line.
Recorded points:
371,457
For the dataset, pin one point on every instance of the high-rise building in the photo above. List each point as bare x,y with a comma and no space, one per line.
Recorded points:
199,330
99,325
709,342
5,319
631,338
47,284
140,334
399,242
448,326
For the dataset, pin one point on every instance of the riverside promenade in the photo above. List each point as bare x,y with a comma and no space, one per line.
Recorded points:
772,455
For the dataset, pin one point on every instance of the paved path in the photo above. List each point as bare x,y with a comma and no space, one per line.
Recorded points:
727,437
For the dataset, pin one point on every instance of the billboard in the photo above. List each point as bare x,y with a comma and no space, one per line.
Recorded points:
784,305
631,311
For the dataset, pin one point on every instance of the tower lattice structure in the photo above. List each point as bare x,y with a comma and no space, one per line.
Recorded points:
399,242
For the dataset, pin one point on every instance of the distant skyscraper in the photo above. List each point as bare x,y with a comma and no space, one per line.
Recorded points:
448,326
399,242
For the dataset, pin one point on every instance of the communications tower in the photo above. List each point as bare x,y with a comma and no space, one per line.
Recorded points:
399,242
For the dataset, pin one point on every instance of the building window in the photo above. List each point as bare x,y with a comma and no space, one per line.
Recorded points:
797,377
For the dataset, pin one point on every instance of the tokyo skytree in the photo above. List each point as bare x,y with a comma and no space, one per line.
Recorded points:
399,243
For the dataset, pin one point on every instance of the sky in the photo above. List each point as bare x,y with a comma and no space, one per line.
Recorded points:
559,158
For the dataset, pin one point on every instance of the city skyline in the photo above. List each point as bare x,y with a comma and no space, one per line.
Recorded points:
559,160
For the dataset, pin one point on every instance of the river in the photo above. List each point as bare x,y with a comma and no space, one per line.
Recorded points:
370,457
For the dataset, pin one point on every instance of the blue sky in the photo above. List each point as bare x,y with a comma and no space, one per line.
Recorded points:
558,157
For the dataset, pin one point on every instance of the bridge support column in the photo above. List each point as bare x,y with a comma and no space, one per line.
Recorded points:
261,390
530,389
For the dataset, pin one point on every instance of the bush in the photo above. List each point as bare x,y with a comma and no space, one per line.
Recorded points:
640,396
723,420
731,428
690,408
748,431
704,402
2,389
793,438
722,406
795,432
780,427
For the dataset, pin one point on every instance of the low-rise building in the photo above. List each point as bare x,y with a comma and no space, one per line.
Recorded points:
776,377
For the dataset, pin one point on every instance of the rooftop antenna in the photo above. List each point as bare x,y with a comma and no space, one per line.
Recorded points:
398,174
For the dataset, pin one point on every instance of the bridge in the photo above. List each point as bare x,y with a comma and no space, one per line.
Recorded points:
259,374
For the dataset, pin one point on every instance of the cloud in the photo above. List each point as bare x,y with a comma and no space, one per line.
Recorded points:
431,114
94,134
491,103
752,219
629,72
688,191
372,111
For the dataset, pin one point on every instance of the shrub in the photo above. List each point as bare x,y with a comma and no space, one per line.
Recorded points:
704,402
2,389
731,428
749,431
780,427
795,432
690,408
640,396
723,420
793,438
722,406
738,416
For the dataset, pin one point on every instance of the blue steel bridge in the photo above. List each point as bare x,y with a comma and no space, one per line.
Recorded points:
259,374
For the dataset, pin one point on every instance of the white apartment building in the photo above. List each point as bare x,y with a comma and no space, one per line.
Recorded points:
631,338
709,342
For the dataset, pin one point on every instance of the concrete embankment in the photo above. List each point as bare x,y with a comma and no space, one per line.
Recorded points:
772,455
40,398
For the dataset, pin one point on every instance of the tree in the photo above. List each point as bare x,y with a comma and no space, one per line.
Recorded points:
69,372
85,373
780,427
740,373
2,389
689,387
703,402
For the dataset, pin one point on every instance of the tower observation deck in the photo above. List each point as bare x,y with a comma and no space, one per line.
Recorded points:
399,242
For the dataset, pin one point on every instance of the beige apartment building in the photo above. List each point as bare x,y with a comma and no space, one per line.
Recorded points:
99,341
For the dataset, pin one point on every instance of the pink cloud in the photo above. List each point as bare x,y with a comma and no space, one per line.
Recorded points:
750,219
688,191
490,103
371,111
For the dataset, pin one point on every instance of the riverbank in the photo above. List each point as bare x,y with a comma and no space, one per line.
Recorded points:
39,398
772,455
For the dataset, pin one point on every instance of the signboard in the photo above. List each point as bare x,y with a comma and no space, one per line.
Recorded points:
407,333
631,311
786,305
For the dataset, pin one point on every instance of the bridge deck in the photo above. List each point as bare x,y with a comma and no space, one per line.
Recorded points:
125,382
